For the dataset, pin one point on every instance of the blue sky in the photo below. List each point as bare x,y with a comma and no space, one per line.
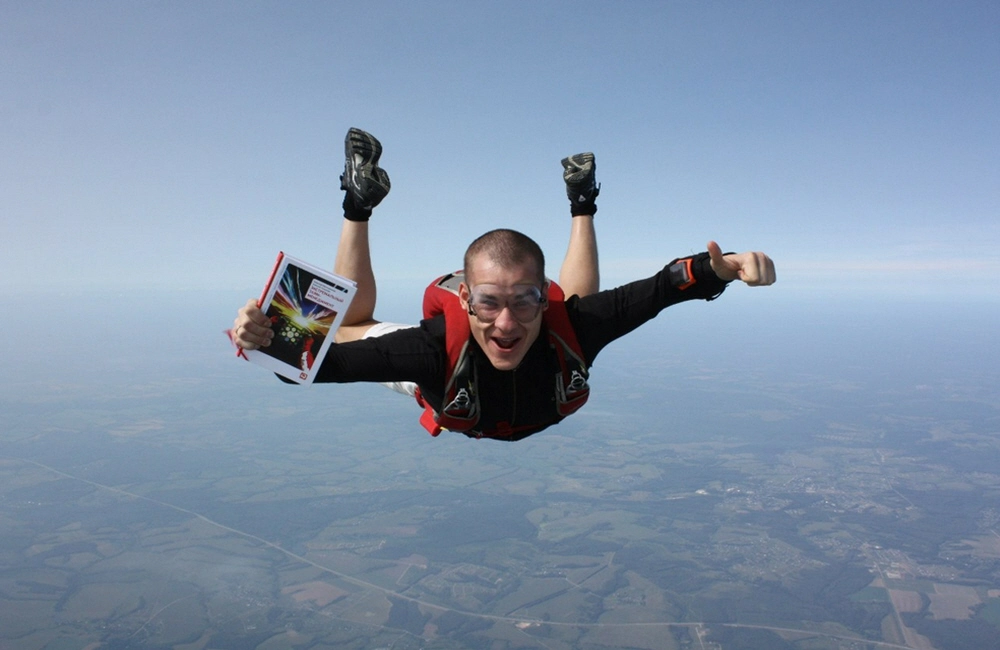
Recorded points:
180,145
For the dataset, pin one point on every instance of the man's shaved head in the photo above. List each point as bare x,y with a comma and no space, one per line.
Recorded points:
506,248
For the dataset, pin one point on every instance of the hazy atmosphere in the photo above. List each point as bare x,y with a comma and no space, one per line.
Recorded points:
178,144
807,466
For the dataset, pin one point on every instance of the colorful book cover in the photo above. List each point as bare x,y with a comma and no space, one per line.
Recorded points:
306,305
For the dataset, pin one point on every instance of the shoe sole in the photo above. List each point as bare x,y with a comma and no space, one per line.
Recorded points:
577,167
364,144
367,182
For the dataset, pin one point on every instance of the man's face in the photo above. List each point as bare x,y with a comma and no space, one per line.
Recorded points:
506,340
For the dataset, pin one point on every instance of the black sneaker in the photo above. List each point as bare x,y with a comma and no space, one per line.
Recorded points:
365,182
579,172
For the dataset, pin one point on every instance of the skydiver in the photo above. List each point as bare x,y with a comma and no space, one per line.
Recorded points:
502,352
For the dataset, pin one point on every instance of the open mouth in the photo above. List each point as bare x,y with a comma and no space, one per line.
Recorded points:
506,343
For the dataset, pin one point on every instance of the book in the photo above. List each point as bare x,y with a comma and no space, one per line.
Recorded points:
306,305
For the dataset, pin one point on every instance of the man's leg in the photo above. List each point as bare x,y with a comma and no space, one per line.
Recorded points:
580,274
354,262
365,185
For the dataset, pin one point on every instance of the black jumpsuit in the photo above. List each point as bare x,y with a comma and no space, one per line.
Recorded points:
523,398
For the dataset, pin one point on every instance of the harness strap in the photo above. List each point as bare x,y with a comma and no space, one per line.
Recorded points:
460,403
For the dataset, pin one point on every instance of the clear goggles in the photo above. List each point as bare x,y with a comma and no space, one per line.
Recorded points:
487,302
